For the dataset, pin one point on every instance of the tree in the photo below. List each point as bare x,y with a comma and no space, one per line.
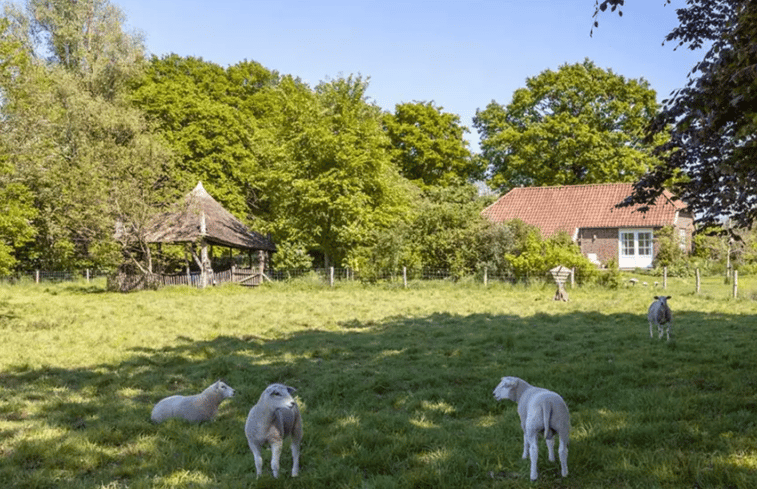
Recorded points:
329,183
446,228
428,147
75,142
16,215
579,124
712,121
204,114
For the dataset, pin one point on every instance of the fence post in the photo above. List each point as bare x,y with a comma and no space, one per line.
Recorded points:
699,282
87,275
664,277
36,276
486,276
331,276
404,276
572,277
735,284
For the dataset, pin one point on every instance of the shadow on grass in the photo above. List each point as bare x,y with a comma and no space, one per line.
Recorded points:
405,403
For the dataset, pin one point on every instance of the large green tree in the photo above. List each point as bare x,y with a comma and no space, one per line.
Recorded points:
579,124
712,121
206,115
16,202
428,145
331,183
74,139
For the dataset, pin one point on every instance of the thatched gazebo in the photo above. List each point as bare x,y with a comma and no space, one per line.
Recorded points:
201,221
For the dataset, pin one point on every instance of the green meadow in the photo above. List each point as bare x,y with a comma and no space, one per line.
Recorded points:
394,384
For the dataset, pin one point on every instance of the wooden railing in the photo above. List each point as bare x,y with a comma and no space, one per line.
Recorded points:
245,276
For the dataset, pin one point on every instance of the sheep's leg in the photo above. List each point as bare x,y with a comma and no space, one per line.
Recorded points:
650,330
275,456
525,446
295,458
258,458
534,452
551,448
563,451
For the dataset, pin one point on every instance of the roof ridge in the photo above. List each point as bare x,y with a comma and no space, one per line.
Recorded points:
606,184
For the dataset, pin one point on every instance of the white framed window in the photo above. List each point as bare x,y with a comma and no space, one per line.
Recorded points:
635,248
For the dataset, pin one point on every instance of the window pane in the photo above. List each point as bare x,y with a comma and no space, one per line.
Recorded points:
645,244
627,244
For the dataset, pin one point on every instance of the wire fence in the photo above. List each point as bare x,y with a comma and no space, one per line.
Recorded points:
332,276
329,276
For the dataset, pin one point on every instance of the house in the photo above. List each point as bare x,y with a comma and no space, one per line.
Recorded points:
588,213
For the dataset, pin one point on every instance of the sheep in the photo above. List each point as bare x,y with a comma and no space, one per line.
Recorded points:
660,314
539,409
271,420
197,408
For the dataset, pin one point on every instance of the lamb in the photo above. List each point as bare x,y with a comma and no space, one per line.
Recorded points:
197,408
539,409
275,417
660,314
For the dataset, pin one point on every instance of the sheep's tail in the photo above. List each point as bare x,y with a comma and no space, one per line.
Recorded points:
547,411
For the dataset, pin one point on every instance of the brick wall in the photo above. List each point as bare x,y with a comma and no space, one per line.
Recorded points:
603,242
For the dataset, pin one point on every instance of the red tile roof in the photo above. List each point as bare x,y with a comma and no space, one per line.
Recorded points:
567,208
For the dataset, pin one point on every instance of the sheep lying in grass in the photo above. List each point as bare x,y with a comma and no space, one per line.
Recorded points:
275,417
660,314
200,407
539,409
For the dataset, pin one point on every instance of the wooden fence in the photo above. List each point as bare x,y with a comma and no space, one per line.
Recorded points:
126,282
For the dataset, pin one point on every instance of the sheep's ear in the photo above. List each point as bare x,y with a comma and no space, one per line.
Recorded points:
656,297
668,297
291,390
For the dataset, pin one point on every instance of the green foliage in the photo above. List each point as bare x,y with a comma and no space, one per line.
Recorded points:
535,257
92,161
579,124
497,242
611,276
16,214
428,145
333,185
710,124
669,249
291,256
445,229
204,113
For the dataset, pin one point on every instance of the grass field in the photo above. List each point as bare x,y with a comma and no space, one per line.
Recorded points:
395,385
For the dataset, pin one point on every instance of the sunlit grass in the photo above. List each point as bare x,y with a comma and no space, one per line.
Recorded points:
394,384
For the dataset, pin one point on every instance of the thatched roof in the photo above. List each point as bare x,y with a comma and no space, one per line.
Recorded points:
201,216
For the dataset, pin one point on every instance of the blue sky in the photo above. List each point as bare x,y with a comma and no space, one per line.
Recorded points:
460,54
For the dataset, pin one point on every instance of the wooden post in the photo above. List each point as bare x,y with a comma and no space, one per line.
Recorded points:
572,277
664,277
331,276
735,284
36,276
404,277
204,264
87,275
699,281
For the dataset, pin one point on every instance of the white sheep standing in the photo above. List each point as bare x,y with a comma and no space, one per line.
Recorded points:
197,408
274,417
539,409
660,314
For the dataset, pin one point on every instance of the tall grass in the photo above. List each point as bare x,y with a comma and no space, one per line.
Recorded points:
395,385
